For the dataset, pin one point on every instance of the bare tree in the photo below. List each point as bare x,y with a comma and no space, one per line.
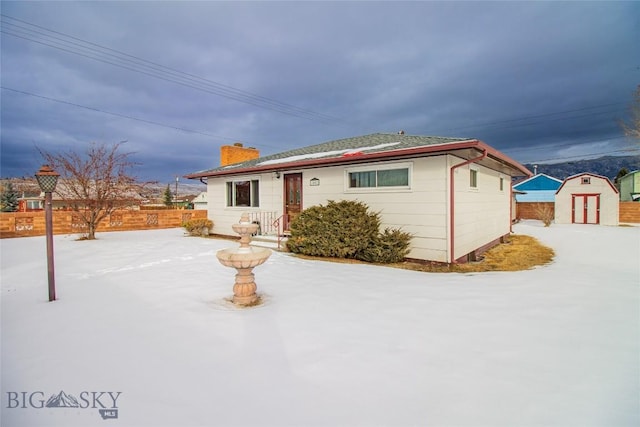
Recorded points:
96,183
632,128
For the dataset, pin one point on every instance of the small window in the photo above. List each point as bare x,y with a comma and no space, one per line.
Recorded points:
473,178
379,178
586,180
362,179
501,184
33,204
243,193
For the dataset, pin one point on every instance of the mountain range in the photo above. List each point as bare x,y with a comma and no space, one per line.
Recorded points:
608,166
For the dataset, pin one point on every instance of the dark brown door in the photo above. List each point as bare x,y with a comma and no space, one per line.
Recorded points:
292,197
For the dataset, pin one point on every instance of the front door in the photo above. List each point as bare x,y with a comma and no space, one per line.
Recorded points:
586,209
292,198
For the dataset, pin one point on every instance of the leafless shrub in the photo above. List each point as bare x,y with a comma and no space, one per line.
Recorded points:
545,213
95,183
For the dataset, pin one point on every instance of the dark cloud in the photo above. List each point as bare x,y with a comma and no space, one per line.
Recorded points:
538,80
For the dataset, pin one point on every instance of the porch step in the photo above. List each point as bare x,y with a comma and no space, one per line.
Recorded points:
269,241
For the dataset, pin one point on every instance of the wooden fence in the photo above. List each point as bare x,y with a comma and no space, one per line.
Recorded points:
23,224
532,210
629,211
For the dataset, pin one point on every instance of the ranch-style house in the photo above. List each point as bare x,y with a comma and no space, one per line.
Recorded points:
454,195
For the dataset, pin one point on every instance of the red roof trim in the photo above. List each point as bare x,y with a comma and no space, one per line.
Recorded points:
569,178
364,157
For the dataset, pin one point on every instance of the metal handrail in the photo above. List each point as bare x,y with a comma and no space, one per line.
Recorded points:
279,233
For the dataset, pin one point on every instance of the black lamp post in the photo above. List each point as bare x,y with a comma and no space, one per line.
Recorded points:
47,180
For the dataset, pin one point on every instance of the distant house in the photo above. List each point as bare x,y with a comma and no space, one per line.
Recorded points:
535,196
630,187
65,198
200,201
31,201
538,188
454,195
587,199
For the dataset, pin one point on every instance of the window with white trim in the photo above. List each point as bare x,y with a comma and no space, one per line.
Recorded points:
586,180
34,204
243,193
387,176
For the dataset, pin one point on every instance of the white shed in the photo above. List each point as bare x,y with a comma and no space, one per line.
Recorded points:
453,195
587,198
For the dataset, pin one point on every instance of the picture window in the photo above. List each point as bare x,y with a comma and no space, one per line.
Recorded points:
389,177
243,193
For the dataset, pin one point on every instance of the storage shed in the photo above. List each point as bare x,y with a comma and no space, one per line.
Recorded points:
587,198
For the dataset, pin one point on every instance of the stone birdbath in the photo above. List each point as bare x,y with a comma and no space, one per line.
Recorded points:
244,259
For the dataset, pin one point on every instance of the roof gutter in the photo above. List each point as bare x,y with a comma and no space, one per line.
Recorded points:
452,203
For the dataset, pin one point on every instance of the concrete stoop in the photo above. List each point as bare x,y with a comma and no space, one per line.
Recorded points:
269,241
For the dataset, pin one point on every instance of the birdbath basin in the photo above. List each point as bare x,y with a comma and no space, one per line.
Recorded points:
244,259
233,258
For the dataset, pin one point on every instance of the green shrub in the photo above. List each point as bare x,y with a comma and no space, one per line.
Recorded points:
346,229
390,246
198,227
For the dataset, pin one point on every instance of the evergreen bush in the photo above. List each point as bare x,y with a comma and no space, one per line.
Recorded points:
9,198
346,229
198,227
390,246
167,197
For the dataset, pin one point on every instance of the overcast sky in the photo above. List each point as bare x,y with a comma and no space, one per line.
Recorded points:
539,81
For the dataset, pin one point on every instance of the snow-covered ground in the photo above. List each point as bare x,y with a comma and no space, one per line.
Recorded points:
144,314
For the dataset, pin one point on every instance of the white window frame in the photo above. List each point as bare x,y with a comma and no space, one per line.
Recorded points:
474,185
253,203
33,204
376,168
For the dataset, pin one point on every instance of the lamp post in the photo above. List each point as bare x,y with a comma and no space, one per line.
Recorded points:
47,179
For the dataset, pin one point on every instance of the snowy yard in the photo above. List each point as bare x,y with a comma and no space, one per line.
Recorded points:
143,314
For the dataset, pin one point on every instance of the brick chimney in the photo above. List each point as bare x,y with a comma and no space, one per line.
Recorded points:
236,153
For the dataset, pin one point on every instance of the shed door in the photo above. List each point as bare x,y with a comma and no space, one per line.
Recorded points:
292,197
586,209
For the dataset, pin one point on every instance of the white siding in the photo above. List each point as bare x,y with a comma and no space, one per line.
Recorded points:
224,216
481,214
422,209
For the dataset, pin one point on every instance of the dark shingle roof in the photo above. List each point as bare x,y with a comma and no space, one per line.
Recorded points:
374,143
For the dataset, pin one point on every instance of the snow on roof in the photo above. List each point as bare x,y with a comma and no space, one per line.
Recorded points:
379,145
307,156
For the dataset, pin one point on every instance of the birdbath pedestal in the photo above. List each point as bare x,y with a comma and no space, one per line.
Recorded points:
244,259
